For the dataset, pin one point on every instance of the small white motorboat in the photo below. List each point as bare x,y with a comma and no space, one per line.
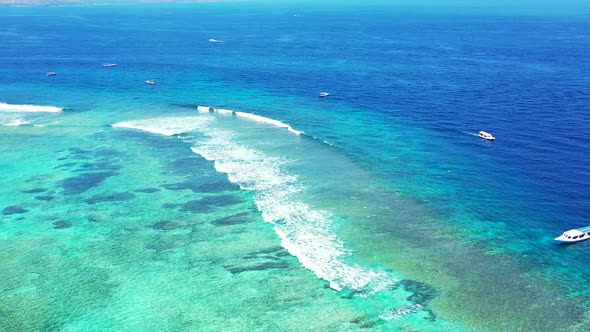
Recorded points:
574,235
324,94
150,82
51,73
109,65
486,135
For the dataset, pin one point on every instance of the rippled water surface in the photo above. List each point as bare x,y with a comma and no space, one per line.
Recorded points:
126,206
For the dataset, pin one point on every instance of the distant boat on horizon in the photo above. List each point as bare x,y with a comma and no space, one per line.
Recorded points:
150,82
51,73
324,94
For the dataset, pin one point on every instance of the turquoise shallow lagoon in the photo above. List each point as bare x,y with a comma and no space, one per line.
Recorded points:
228,196
128,231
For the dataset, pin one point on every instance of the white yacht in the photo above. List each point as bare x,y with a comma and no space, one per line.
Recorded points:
574,235
109,65
486,135
324,94
150,82
51,73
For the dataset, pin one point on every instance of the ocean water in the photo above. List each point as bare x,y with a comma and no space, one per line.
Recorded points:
229,196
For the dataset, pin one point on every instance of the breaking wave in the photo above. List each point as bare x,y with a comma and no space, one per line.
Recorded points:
249,116
165,126
305,232
10,108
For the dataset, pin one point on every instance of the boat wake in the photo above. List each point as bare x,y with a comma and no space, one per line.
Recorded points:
468,132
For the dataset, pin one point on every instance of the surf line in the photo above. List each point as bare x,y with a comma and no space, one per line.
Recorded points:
10,108
249,116
305,232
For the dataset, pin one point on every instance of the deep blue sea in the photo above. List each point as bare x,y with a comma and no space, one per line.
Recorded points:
229,196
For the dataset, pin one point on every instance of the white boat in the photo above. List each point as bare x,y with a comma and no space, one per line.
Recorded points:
109,65
486,135
324,94
51,73
574,235
150,82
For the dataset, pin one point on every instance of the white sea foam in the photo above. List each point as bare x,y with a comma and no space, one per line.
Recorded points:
165,126
205,109
10,108
304,231
398,313
15,123
249,116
